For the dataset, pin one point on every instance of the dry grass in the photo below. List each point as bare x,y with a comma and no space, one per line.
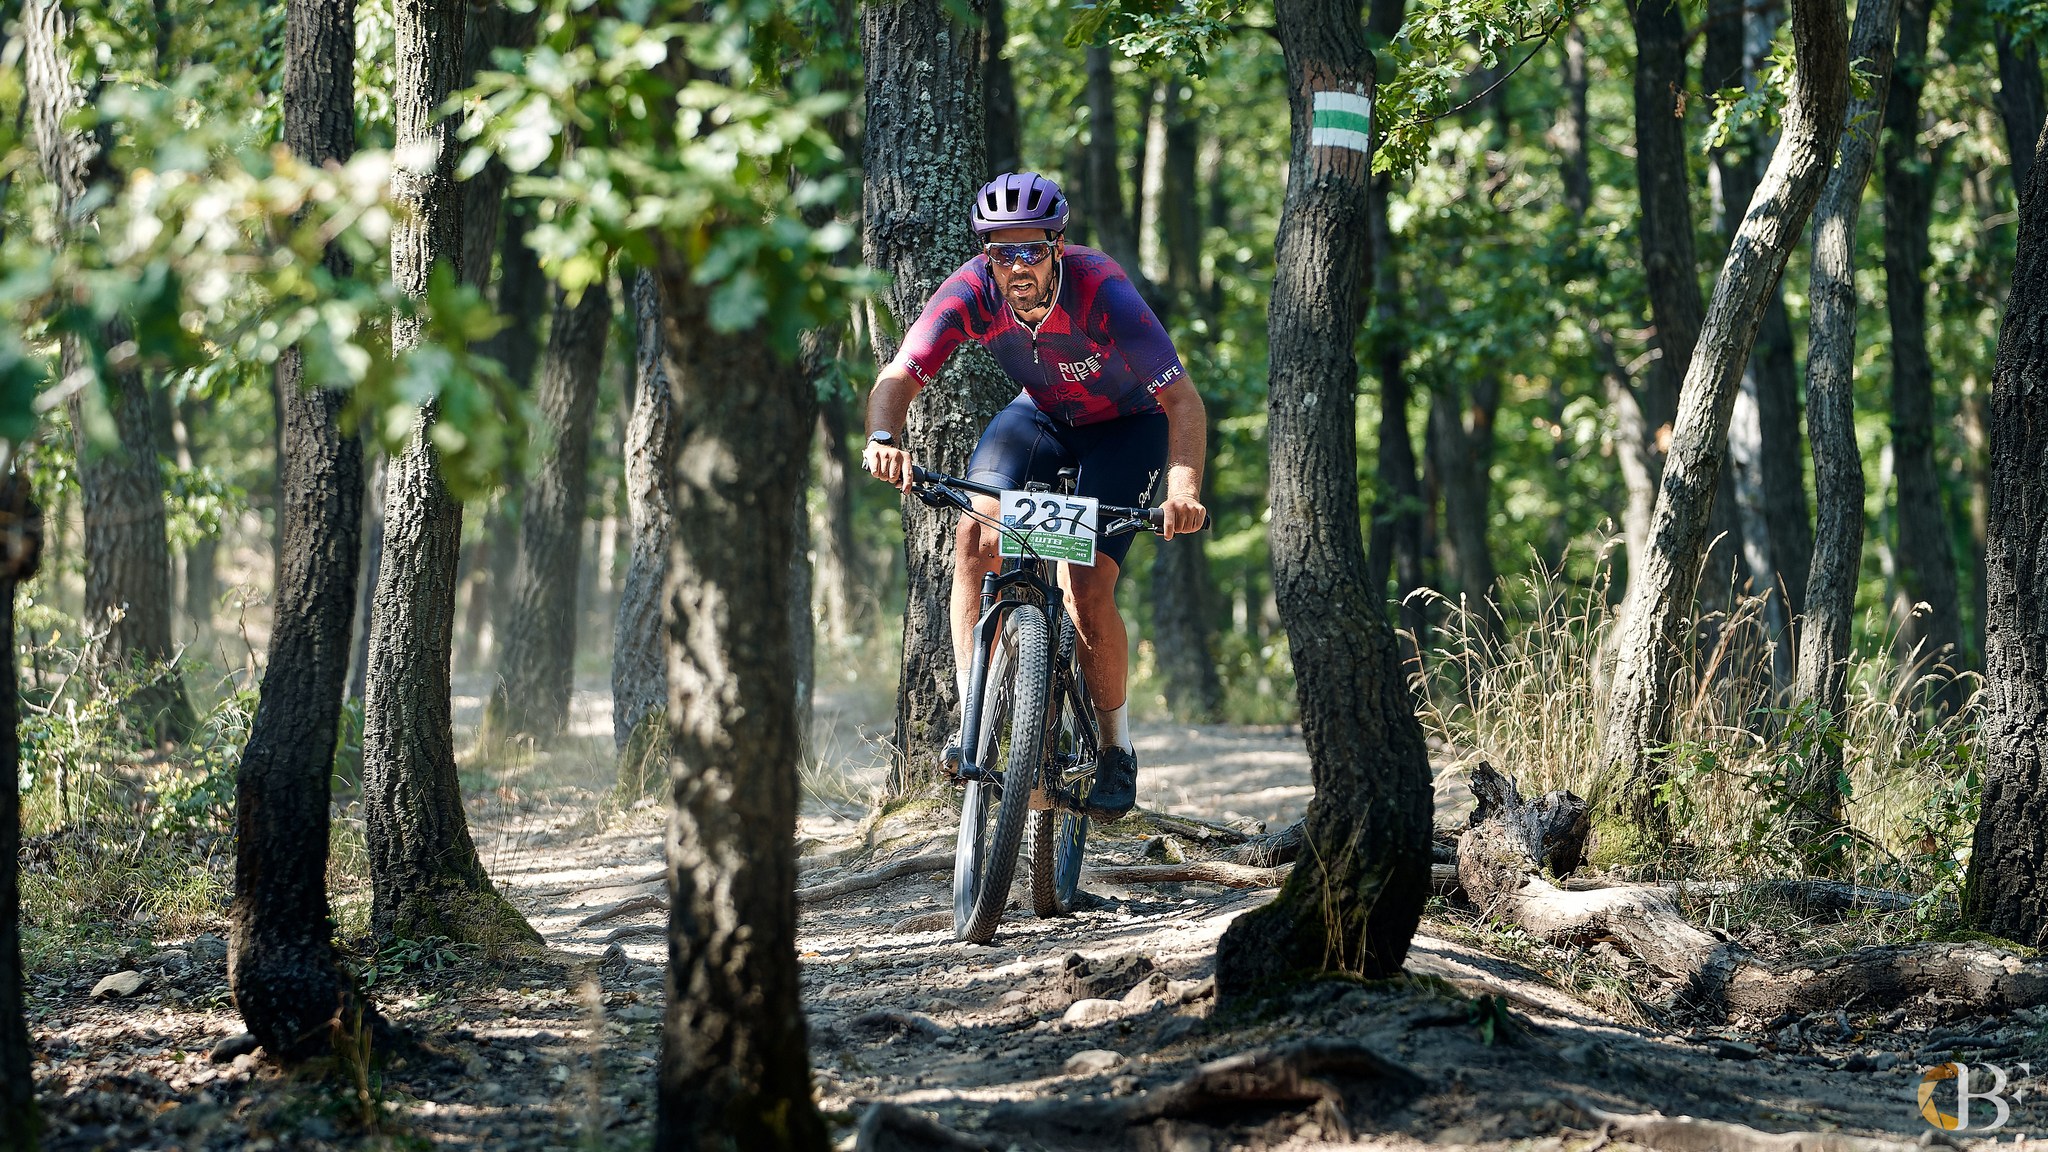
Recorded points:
1529,696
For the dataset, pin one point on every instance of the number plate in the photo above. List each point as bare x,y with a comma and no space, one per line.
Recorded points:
1053,526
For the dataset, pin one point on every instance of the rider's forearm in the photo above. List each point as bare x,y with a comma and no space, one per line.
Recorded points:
1187,439
889,403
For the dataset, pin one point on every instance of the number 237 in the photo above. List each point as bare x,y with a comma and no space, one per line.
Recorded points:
1045,515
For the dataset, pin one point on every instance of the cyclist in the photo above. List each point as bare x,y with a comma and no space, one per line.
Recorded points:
1103,392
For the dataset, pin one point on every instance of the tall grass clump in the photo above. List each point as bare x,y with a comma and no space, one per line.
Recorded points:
1523,683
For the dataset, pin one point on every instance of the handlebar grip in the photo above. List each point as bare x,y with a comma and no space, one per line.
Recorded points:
1157,518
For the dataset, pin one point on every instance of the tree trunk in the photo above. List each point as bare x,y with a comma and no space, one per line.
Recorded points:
375,475
202,581
734,1070
839,559
127,553
1000,137
21,538
1831,423
1461,441
1183,594
425,875
538,662
1103,191
2020,103
639,669
921,175
1926,555
1396,540
1640,719
2006,893
282,968
1670,267
1353,900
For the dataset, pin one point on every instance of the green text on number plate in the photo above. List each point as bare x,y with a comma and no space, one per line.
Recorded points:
1052,526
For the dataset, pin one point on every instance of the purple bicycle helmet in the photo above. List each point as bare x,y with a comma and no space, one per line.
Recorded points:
1019,200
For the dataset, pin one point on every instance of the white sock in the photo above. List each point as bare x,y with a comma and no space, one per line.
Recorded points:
960,679
1115,726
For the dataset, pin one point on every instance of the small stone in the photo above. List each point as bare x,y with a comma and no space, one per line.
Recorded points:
245,1063
1124,1086
1165,848
1093,1062
1176,1030
1014,996
1144,992
1857,1062
206,948
1085,979
1885,1062
1083,1012
120,985
172,960
1736,1050
240,1044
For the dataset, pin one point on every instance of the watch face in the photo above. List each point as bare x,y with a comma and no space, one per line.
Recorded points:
882,438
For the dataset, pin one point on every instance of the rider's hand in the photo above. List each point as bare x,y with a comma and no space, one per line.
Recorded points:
1181,514
887,463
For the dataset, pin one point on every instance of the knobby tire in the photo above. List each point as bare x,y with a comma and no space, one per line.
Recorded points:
988,865
1059,838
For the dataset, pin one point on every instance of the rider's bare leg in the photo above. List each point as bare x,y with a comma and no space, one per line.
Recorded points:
1105,647
974,556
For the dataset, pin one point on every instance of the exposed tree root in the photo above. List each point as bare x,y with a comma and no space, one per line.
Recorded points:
1195,871
899,1018
1497,869
1686,1134
1805,895
645,902
1340,1079
916,865
889,1127
636,932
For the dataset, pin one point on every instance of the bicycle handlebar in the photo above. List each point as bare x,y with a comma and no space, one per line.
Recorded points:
1150,519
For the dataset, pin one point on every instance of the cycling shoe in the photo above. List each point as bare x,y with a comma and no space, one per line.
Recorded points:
949,761
1116,785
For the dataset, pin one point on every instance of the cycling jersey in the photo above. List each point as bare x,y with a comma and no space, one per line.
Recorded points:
1099,354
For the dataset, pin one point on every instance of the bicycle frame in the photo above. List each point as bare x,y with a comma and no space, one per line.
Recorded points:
1032,578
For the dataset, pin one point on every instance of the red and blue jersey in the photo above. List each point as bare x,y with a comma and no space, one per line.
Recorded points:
1098,355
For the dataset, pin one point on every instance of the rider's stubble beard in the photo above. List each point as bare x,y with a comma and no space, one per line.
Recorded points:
1030,289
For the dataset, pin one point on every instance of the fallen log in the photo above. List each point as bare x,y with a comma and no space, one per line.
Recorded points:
1498,869
1193,871
916,865
1806,895
1268,850
1192,828
645,902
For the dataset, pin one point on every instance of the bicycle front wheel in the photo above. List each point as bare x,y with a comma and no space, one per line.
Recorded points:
993,817
1060,838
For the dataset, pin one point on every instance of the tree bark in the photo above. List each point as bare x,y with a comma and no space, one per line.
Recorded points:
425,876
923,80
734,1070
2021,106
1103,190
1352,902
2006,892
127,553
375,475
1640,717
21,539
1926,554
282,969
1000,138
537,668
1831,423
639,665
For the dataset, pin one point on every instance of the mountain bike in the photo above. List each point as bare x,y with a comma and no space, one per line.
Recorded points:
1028,736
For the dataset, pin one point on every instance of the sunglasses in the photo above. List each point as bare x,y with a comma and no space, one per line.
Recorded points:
1029,254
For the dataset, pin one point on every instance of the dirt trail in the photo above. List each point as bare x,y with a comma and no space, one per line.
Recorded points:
559,1052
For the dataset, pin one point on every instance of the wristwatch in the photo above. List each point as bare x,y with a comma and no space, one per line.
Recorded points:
882,437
